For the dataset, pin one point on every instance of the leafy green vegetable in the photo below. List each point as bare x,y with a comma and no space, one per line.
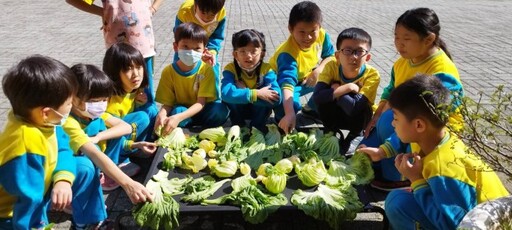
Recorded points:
175,140
163,212
332,205
254,203
201,188
327,147
217,135
172,159
312,171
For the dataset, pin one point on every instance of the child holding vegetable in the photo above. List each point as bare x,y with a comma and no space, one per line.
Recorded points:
346,88
249,86
187,88
124,65
89,127
37,167
447,181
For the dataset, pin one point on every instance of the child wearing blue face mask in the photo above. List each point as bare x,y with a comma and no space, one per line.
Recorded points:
89,125
187,89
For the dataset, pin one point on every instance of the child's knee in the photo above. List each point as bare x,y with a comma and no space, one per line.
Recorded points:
396,201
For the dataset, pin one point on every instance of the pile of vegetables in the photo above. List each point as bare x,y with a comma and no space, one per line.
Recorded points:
314,157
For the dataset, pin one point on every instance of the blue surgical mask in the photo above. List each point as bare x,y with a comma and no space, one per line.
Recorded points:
189,57
62,120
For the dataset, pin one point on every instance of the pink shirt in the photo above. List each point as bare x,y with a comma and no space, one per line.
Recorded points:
129,21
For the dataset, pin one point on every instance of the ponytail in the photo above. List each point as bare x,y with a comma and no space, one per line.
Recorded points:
441,44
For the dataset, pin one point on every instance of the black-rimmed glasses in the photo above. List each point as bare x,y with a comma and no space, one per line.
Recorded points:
356,52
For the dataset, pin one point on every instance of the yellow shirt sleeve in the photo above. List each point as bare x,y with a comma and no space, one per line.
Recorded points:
77,136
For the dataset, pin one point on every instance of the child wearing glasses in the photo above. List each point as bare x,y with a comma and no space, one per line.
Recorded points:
299,60
347,87
447,179
249,86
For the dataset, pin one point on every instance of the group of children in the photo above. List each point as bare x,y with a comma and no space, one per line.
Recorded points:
72,130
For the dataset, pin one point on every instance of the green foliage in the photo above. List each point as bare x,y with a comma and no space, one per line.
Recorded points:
488,129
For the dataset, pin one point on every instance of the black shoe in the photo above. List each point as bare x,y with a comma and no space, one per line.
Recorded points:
309,113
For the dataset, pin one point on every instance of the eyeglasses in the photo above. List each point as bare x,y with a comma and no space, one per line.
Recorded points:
357,52
252,53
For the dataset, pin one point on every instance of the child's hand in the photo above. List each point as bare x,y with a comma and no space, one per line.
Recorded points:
240,85
141,97
412,171
169,124
267,94
287,124
61,195
375,154
147,147
354,88
311,78
137,192
335,85
209,58
159,121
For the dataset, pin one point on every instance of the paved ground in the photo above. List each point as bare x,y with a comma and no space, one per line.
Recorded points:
477,32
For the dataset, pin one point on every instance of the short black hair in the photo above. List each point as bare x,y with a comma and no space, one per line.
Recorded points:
120,57
38,81
92,82
422,96
190,30
354,33
305,11
213,6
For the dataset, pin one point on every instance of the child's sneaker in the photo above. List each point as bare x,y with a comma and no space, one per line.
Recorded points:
391,185
107,183
129,168
309,112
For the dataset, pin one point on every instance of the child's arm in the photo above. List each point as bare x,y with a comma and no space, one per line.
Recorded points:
64,173
287,123
135,191
270,95
173,121
327,54
161,119
86,7
155,6
117,129
375,154
216,38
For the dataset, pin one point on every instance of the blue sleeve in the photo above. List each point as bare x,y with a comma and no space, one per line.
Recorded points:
327,47
323,93
352,102
270,79
445,200
65,161
394,146
454,85
287,70
217,37
387,91
23,177
230,93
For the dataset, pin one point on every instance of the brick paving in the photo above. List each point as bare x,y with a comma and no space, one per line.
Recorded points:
477,33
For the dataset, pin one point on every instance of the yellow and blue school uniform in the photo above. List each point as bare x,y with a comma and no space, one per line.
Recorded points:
244,103
80,129
293,64
350,111
180,90
455,182
140,117
439,65
215,30
32,159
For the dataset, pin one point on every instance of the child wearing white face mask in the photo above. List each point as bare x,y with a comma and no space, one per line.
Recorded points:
89,125
211,16
249,86
187,89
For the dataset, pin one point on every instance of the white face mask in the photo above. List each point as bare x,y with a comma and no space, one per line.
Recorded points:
248,70
201,20
62,120
189,57
94,110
